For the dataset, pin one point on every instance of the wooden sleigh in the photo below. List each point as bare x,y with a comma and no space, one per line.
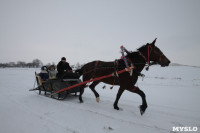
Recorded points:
51,86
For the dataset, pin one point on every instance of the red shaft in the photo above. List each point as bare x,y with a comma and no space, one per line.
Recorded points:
95,79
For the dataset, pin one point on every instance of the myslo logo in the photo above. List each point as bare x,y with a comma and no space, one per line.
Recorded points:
184,129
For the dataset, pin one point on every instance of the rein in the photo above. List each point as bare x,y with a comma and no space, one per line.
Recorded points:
149,53
99,67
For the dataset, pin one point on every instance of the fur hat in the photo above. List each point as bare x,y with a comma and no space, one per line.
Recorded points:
63,58
44,68
52,67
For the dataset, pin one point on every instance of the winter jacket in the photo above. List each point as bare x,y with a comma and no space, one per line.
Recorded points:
44,75
52,74
63,67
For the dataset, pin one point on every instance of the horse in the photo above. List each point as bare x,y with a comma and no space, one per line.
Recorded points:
147,54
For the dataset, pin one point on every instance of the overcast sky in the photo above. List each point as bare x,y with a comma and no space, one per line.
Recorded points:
87,30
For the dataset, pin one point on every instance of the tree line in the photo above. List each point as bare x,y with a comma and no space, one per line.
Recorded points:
36,63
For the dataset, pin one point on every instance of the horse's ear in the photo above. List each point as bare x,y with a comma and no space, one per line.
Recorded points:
153,43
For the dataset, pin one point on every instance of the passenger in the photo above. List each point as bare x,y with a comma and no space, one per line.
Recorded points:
65,71
52,72
44,73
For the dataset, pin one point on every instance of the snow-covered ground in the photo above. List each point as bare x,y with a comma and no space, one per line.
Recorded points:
173,97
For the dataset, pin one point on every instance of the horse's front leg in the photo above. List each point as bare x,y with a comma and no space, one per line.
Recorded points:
143,107
120,91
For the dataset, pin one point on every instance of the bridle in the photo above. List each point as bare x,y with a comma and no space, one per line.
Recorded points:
147,59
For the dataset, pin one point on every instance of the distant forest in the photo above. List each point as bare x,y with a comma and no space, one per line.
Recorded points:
36,63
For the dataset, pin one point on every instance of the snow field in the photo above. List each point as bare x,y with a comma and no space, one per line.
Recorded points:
172,96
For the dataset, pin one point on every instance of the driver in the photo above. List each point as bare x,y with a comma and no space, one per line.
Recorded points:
65,71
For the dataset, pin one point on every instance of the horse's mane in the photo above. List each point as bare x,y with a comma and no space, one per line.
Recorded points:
142,47
132,54
135,56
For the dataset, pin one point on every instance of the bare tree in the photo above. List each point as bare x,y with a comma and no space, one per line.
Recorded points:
37,63
21,64
11,64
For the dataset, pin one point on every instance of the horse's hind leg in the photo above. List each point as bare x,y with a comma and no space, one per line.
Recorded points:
120,91
85,78
92,87
143,96
81,93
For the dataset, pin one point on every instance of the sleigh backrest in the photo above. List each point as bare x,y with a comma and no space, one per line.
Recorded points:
38,79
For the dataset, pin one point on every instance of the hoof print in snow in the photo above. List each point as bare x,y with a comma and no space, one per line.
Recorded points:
108,128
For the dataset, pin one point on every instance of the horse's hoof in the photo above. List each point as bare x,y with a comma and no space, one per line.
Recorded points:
142,109
141,112
116,107
98,99
80,99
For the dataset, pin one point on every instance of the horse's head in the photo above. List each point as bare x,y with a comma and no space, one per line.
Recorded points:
152,53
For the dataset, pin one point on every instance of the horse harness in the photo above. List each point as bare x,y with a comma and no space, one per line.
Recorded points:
116,63
95,68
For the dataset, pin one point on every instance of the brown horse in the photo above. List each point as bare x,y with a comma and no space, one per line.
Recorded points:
144,55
